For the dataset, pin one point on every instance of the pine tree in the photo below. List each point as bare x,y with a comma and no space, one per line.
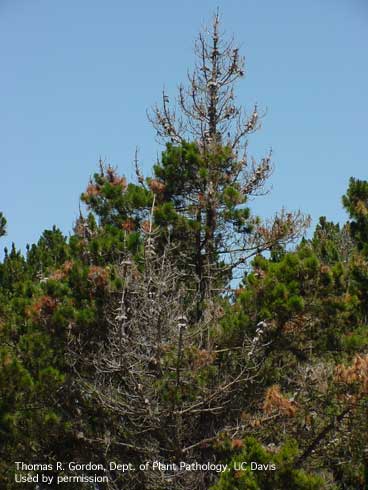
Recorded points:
205,177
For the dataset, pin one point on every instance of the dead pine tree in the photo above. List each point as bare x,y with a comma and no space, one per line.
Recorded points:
166,397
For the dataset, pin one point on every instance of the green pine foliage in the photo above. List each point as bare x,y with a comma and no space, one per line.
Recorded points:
264,469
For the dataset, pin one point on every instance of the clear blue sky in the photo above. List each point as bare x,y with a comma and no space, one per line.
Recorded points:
78,75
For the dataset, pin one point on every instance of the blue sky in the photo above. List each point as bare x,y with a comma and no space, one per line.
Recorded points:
77,77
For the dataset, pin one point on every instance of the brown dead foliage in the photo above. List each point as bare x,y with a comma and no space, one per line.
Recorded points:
92,190
357,373
237,444
156,186
128,225
98,276
276,402
62,273
44,306
203,358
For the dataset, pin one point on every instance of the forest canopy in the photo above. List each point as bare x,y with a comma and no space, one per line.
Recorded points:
174,324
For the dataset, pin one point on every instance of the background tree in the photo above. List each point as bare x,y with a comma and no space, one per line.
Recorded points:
2,225
355,202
